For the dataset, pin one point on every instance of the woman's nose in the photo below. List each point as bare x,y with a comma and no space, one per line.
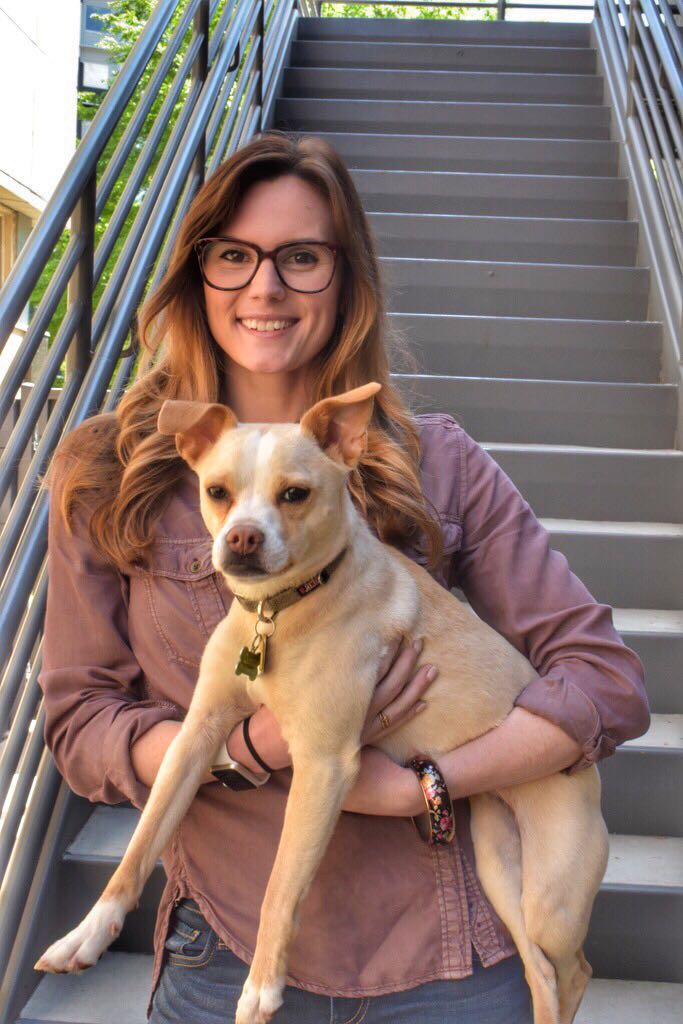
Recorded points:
266,280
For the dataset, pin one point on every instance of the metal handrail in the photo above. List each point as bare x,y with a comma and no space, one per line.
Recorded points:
642,49
221,63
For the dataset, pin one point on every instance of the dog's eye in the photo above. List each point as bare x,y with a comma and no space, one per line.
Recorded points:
216,492
294,494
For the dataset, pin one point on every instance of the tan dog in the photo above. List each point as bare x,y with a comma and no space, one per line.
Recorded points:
541,847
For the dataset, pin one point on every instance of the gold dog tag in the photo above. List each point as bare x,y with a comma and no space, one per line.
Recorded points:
250,663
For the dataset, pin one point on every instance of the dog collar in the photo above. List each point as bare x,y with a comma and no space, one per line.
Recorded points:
284,598
252,660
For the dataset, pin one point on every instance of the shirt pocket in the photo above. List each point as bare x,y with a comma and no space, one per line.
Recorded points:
181,597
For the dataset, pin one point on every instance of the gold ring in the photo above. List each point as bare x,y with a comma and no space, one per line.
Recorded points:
384,719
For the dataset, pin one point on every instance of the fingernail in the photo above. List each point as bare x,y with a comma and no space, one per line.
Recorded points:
417,644
432,674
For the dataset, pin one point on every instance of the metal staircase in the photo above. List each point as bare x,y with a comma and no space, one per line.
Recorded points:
528,216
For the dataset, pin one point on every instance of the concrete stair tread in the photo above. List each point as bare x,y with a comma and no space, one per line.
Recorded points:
655,453
640,861
613,528
124,980
645,863
665,734
428,31
655,621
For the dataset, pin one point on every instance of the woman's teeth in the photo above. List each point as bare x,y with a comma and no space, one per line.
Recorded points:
267,325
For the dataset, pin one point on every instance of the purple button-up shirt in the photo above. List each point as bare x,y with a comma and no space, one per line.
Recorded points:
385,912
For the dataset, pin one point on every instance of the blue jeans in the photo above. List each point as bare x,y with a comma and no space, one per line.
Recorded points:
201,982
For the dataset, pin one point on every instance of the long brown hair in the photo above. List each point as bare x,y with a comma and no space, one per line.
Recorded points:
123,469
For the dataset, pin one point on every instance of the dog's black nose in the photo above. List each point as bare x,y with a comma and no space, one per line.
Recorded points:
244,539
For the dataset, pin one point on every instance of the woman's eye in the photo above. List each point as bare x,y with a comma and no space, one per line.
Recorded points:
294,494
217,493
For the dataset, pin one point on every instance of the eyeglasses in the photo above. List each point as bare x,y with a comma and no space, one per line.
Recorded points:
227,263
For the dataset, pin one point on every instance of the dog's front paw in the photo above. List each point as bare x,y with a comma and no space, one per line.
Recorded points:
258,1003
84,946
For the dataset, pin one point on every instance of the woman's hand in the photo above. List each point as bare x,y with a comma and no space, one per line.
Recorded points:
397,695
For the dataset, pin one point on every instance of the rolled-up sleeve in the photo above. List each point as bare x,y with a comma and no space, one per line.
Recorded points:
89,676
589,682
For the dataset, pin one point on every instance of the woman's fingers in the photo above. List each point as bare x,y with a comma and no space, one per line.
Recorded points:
391,682
402,707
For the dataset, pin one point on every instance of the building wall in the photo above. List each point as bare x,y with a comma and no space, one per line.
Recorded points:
39,42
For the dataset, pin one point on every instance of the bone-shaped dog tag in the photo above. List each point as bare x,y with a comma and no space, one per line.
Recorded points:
249,663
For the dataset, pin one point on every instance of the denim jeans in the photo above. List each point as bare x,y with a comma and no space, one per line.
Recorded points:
201,982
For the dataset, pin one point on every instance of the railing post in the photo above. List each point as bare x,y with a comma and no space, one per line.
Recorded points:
633,12
200,67
261,37
501,10
81,285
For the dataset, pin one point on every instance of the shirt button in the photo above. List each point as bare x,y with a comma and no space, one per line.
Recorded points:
195,565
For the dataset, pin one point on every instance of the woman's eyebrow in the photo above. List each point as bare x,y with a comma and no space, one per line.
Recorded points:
290,241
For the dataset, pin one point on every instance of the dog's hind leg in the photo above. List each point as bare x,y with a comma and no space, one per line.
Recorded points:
498,852
564,855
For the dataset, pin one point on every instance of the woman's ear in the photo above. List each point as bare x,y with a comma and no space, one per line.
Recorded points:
195,425
339,424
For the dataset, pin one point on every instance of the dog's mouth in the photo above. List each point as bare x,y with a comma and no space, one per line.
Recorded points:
244,570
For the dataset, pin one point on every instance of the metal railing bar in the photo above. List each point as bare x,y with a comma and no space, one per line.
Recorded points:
25,925
19,517
618,31
672,121
670,210
673,29
31,410
145,158
476,3
248,28
111,292
26,773
273,36
625,12
21,362
11,754
145,104
94,386
273,66
249,99
45,235
664,50
250,83
219,31
26,852
658,121
250,128
23,649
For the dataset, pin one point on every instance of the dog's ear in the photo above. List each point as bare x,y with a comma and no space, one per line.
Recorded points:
196,425
339,424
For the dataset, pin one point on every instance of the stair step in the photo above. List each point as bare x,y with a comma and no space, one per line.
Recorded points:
500,33
485,287
549,411
402,84
124,980
492,195
630,1002
338,53
641,787
560,480
657,638
438,117
527,239
378,151
628,565
551,349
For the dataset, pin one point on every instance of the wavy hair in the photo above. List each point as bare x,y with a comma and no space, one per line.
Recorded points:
123,470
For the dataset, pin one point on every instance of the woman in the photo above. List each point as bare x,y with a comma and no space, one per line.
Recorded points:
392,929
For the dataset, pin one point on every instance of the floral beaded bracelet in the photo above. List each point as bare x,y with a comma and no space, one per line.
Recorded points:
436,825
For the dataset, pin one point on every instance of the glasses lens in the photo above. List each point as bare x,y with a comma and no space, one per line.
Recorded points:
307,267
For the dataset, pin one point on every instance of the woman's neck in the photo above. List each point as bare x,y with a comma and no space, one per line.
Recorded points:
265,397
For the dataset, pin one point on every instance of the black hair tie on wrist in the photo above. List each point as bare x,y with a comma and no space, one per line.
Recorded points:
250,747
